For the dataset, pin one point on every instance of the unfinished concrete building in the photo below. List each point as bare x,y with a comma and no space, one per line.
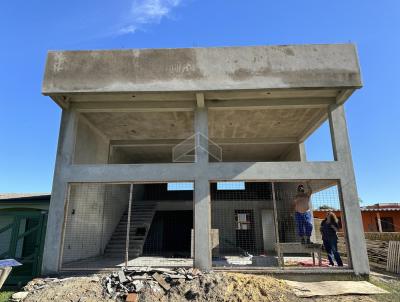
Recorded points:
192,156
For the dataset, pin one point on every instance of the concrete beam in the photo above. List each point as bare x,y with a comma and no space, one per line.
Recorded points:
162,106
287,103
314,125
219,141
348,191
139,173
134,106
303,153
343,95
200,100
269,171
252,171
195,69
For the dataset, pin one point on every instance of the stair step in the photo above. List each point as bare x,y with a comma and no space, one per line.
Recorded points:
122,241
134,223
122,256
132,232
149,216
136,216
122,228
116,250
122,247
123,238
137,219
142,215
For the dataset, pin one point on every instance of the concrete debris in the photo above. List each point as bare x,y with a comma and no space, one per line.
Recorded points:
127,281
19,296
161,281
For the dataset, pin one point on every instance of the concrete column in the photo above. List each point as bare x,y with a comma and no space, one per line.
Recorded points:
201,136
348,191
202,210
65,152
303,154
202,224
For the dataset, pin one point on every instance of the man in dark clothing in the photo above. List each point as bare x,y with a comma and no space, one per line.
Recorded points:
329,228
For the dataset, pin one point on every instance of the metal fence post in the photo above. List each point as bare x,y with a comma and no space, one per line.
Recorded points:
278,246
128,226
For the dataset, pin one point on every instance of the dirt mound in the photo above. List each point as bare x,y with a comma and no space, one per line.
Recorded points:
82,289
215,287
223,287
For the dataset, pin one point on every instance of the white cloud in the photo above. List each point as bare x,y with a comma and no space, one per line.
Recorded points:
145,12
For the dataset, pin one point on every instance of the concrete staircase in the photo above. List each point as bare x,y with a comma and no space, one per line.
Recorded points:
141,218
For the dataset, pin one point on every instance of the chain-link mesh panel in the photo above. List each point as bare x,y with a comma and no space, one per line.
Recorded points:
98,222
242,221
310,223
261,224
95,225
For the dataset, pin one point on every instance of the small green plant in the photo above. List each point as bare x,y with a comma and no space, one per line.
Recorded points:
5,295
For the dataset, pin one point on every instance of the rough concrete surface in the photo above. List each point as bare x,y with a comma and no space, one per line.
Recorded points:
189,69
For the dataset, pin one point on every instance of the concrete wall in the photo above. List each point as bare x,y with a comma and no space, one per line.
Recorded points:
292,154
91,146
83,228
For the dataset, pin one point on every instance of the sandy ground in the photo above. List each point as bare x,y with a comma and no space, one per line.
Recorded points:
74,289
209,287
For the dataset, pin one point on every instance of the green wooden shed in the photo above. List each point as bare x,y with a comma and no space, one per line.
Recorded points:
23,220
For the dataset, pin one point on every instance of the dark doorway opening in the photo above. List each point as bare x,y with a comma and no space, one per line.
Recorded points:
170,234
386,223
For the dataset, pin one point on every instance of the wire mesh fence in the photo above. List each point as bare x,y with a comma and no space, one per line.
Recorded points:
101,232
256,224
264,224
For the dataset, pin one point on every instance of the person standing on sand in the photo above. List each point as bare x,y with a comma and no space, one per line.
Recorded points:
303,214
329,228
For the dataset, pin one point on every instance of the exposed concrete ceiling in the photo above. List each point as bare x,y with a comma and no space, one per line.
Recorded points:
243,135
142,125
264,123
223,124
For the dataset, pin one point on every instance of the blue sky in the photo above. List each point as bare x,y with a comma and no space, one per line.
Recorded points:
29,122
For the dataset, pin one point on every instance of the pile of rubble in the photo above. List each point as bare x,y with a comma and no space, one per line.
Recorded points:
127,283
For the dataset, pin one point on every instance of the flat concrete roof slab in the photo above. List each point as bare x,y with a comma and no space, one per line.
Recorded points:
202,69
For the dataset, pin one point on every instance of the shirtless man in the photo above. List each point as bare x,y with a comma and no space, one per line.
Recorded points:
302,213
